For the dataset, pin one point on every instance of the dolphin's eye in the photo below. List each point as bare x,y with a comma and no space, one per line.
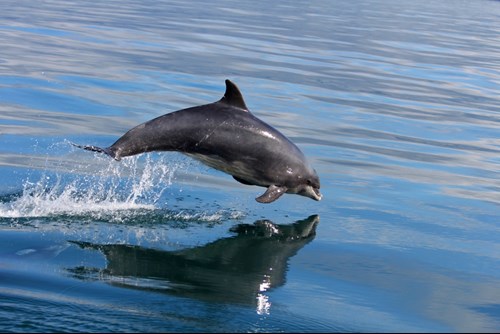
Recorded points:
308,182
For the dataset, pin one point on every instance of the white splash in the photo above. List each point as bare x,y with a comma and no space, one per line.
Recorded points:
129,185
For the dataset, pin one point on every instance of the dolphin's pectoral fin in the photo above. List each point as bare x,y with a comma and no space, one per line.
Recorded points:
272,193
243,181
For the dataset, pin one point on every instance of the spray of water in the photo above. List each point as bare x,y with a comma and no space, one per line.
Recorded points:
62,191
105,187
100,200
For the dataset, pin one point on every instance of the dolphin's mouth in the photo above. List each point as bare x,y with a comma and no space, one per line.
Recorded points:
307,191
311,192
317,194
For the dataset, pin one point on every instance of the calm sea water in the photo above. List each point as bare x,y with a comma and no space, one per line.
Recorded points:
395,103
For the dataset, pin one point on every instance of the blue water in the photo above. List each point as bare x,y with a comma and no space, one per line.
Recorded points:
395,103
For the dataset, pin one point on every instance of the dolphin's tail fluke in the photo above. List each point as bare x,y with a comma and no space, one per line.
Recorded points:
107,151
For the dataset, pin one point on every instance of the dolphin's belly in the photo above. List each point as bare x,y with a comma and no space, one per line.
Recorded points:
240,169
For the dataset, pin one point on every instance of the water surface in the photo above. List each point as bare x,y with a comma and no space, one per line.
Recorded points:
395,103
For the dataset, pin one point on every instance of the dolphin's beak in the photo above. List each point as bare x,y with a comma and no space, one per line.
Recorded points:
313,193
317,194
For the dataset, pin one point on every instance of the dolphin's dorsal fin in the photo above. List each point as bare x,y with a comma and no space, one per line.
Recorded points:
233,96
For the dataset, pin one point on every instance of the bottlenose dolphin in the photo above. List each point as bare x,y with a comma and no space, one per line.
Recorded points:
226,136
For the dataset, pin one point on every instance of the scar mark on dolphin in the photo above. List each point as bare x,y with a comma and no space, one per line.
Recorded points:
208,135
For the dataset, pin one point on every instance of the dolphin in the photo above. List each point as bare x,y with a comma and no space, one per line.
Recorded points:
226,136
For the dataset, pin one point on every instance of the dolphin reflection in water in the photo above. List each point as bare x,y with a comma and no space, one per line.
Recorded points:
238,269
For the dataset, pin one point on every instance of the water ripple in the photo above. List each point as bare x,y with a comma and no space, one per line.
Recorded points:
395,103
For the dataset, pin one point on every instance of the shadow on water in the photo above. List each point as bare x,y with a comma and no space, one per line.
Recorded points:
238,269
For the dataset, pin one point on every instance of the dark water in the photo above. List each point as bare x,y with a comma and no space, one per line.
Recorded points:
395,103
